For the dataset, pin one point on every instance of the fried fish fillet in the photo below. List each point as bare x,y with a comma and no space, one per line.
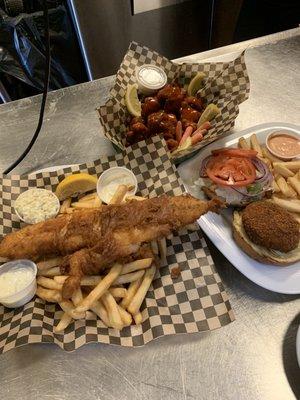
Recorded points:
93,240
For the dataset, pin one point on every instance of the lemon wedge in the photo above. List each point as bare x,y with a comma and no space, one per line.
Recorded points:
185,146
132,101
208,114
76,184
196,83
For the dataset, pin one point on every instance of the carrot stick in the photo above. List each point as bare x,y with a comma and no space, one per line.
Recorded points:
187,133
198,136
202,130
178,131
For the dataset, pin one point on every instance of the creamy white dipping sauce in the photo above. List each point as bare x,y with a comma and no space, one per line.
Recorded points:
150,78
110,187
111,179
36,205
15,280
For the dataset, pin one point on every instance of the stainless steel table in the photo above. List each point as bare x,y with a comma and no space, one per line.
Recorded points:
252,358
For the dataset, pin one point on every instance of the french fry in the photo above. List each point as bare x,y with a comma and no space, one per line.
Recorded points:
255,145
138,298
112,311
289,205
154,247
275,187
119,195
68,307
97,202
98,308
77,297
52,296
87,280
129,277
131,291
48,283
162,246
293,193
84,204
268,162
136,265
63,323
132,197
49,272
53,262
295,183
66,204
243,144
88,197
283,186
283,170
90,280
100,289
125,316
70,210
138,319
60,278
118,292
291,165
93,280
269,155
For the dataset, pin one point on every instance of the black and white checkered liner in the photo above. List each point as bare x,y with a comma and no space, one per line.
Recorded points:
196,301
226,84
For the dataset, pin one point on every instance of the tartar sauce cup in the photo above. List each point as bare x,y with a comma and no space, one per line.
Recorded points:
36,205
24,293
150,78
110,179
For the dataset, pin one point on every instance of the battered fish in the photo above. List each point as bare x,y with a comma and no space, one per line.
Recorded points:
93,240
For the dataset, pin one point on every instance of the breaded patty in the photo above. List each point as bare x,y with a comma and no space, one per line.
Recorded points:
269,225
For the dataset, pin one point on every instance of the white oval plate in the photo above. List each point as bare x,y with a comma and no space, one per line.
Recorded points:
277,279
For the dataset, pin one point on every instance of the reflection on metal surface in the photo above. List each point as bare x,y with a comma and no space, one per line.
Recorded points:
73,12
4,96
140,6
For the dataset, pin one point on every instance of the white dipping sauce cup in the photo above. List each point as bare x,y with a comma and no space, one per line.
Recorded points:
147,86
111,175
23,296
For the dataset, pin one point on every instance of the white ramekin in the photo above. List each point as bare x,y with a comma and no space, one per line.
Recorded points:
23,296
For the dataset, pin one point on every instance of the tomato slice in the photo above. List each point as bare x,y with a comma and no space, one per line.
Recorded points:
235,152
231,171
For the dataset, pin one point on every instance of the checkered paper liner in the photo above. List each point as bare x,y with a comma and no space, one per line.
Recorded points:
226,85
194,302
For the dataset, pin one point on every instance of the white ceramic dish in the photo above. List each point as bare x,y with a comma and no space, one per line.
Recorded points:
218,229
275,133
